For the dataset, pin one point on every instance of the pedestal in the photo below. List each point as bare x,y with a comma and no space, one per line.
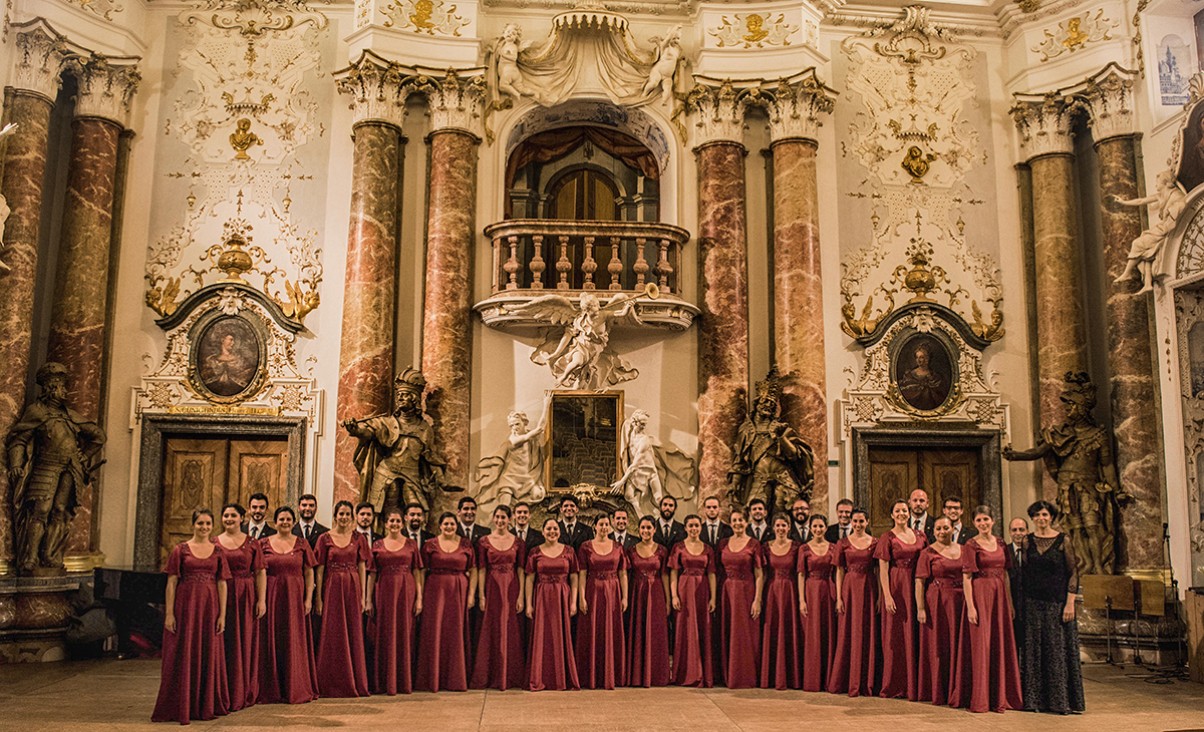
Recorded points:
34,614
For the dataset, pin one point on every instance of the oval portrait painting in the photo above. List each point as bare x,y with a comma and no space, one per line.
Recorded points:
227,356
924,372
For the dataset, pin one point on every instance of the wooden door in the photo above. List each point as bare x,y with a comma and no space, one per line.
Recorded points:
951,473
258,466
896,472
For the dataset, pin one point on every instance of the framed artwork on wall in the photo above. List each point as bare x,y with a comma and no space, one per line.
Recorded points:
583,431
228,357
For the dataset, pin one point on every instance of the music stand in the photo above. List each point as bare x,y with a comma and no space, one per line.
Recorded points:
1108,592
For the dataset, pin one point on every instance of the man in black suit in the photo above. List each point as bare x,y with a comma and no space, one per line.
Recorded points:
714,530
800,520
466,520
758,520
257,509
522,528
841,528
365,518
572,532
308,527
918,518
668,531
416,524
953,512
621,535
1018,531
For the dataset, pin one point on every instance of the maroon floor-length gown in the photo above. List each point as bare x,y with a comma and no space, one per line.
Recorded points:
287,672
856,666
900,631
393,622
945,634
601,645
443,632
192,684
500,661
781,638
242,627
994,667
552,664
819,627
648,641
341,644
692,662
739,632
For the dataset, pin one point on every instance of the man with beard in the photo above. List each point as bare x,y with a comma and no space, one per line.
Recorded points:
668,531
257,509
308,528
572,532
714,530
365,517
416,524
758,525
522,527
620,534
800,517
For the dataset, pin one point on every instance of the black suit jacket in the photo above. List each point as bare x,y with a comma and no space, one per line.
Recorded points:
967,533
423,535
677,532
578,536
925,526
534,536
765,535
725,530
477,532
833,533
372,537
629,539
318,530
800,535
267,531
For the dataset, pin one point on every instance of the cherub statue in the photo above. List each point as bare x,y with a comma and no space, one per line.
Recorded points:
507,77
1171,201
515,470
664,67
581,358
5,210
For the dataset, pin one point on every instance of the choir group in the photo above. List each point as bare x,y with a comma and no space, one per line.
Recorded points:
927,611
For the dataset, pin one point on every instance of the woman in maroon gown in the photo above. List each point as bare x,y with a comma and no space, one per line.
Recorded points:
780,642
740,558
648,639
817,605
941,610
245,605
856,665
602,581
500,662
551,601
395,586
994,668
342,579
897,552
287,672
692,586
449,593
193,680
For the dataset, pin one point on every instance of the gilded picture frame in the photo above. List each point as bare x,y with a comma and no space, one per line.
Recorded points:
923,373
583,440
228,357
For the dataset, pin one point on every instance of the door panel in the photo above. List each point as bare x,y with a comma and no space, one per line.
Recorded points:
896,472
953,473
194,476
893,474
258,466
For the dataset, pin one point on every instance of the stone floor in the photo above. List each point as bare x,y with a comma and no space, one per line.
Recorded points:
118,695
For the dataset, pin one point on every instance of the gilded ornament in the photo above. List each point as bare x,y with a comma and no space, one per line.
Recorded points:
243,139
424,16
300,302
1074,33
916,162
753,30
234,261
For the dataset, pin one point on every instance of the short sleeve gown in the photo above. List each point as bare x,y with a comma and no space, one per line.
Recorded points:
443,632
692,663
819,626
552,664
994,666
287,672
945,633
500,661
393,606
242,627
856,666
341,644
781,645
601,644
900,632
648,641
192,684
739,632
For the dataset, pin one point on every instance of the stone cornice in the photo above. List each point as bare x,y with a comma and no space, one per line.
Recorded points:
717,108
106,86
378,89
1044,123
796,105
1108,99
38,62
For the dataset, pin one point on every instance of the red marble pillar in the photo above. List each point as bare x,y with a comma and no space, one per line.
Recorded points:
447,310
798,303
723,326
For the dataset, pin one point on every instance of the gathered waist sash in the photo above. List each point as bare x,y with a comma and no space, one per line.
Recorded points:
905,563
648,574
693,572
393,569
604,574
784,573
341,567
821,574
738,575
197,577
551,579
950,584
858,569
448,571
501,568
242,575
990,572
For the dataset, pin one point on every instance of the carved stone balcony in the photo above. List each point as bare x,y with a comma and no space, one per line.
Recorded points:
537,257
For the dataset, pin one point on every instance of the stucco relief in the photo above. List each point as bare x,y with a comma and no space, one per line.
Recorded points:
432,17
1074,33
103,8
753,30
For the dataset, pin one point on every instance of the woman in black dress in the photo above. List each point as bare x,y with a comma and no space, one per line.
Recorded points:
1050,673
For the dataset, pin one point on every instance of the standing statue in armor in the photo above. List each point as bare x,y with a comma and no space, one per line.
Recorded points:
770,460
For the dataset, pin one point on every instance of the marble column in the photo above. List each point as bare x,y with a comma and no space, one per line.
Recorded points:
455,105
798,295
723,282
1047,145
28,103
79,328
366,361
1128,329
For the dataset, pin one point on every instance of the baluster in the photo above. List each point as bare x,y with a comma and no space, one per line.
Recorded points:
512,266
537,265
563,265
497,263
663,268
616,263
641,264
588,265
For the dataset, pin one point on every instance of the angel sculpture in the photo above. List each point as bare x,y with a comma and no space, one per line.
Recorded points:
5,210
581,357
664,68
1171,200
515,471
502,60
651,471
